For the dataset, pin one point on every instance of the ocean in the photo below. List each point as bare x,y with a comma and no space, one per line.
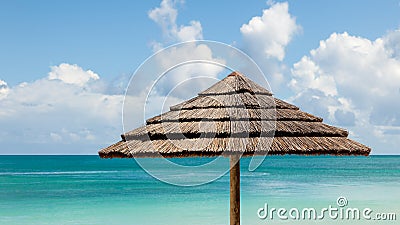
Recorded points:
90,190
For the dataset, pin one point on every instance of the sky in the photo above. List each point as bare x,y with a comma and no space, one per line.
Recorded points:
65,65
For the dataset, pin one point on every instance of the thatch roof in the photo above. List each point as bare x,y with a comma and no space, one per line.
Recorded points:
234,116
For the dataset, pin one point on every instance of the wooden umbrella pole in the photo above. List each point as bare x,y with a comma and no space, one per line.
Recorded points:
235,190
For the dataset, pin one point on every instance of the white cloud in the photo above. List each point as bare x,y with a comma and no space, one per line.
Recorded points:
165,16
269,34
3,89
191,32
355,81
265,39
311,76
55,137
72,74
392,44
54,111
182,79
55,115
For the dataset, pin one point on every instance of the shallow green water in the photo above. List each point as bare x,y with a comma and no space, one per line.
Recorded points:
90,190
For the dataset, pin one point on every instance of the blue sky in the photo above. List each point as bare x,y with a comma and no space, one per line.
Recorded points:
60,60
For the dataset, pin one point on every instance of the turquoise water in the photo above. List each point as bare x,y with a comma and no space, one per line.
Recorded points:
90,190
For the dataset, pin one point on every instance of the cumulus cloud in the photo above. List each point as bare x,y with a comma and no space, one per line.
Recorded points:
265,39
270,33
311,76
3,89
392,44
356,81
62,111
182,81
165,16
72,74
80,116
345,118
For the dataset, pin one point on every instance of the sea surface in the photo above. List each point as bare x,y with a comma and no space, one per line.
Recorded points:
90,190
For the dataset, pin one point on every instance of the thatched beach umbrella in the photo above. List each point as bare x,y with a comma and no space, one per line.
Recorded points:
235,117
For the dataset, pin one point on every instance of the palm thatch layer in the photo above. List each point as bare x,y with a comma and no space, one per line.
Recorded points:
234,116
